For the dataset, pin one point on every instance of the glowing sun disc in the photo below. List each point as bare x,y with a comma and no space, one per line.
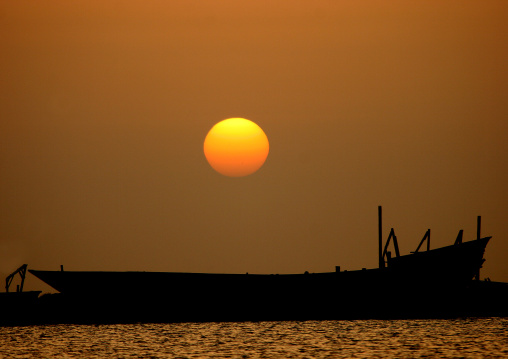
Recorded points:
236,147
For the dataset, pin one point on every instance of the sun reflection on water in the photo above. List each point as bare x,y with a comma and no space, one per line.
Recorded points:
467,338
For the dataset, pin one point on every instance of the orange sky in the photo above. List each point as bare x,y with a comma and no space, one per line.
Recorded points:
105,107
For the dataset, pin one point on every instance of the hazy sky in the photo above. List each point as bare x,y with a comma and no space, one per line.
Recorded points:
105,105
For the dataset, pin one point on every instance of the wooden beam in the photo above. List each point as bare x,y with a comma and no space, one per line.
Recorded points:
478,227
459,237
425,237
22,272
380,228
395,244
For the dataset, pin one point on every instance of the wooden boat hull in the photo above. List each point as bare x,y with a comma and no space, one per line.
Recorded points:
431,283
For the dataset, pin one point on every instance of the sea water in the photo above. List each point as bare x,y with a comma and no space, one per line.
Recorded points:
462,338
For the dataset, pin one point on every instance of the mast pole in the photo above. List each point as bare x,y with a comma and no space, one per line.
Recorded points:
478,226
478,231
381,260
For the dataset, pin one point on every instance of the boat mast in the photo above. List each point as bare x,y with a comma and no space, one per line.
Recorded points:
381,259
478,236
478,227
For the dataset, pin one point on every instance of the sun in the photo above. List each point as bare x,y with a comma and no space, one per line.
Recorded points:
236,147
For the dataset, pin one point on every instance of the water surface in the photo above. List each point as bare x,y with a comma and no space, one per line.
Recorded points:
465,338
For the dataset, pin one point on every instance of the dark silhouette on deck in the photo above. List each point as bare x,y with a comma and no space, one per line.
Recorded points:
436,283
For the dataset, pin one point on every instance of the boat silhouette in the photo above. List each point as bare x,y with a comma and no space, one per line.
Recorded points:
442,282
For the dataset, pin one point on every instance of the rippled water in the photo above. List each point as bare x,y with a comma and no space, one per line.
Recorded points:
467,338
